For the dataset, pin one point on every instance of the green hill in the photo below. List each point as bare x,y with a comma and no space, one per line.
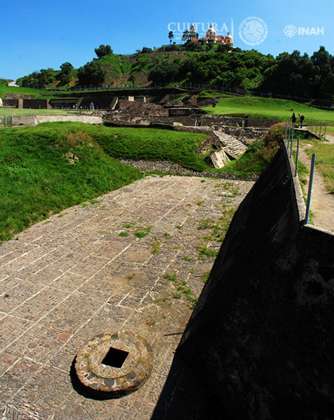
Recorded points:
167,66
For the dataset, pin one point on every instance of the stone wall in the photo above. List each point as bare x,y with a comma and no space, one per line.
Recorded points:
87,119
10,102
260,343
39,119
35,103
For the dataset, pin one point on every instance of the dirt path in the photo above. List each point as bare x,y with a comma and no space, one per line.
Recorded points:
322,201
330,138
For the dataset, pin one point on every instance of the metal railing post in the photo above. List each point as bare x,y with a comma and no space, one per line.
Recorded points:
291,143
310,190
297,156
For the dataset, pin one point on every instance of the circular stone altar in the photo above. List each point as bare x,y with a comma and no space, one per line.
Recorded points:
116,363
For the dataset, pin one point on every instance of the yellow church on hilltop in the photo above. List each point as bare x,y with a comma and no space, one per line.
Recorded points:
211,37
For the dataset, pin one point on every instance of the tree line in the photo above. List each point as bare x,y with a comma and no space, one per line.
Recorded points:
289,74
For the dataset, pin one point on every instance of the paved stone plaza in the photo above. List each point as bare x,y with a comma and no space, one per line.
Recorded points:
136,259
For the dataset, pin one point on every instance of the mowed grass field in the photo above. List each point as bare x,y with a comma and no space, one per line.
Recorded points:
276,109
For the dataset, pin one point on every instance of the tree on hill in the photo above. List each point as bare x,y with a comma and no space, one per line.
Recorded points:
165,73
91,74
39,80
170,36
301,76
66,73
103,50
186,36
145,50
237,70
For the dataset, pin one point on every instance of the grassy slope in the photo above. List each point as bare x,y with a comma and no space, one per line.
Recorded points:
258,155
143,143
278,109
117,68
252,163
36,178
120,69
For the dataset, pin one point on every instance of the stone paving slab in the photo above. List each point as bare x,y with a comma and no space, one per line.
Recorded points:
117,263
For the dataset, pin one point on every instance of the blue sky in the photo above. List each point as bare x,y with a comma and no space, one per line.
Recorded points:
40,33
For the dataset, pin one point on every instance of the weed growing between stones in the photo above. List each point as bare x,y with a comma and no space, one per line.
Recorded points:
171,277
182,290
156,247
230,188
129,225
142,233
205,277
216,231
205,224
206,252
123,234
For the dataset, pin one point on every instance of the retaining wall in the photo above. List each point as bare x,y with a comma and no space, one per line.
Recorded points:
260,343
39,119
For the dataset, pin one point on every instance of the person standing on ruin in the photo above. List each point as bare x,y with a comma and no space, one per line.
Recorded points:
301,120
293,119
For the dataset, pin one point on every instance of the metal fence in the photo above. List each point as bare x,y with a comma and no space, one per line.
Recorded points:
292,143
319,130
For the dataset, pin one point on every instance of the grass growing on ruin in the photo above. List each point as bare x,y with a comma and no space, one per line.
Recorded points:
252,163
42,173
142,232
181,289
139,144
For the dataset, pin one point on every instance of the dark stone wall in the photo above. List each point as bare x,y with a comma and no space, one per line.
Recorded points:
35,103
260,343
10,102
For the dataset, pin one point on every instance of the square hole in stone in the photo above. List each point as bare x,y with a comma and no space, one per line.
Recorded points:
115,358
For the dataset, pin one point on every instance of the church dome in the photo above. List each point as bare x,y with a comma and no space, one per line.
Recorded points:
230,37
212,30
